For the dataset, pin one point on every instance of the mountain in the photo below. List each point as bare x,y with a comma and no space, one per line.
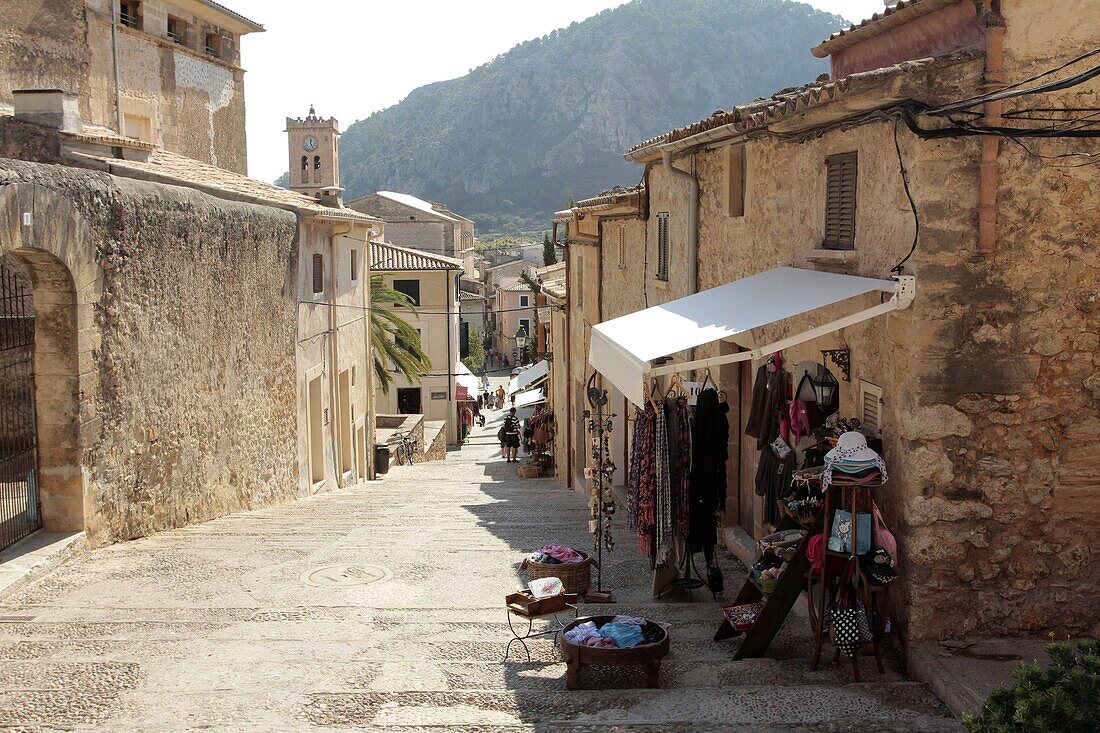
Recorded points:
511,141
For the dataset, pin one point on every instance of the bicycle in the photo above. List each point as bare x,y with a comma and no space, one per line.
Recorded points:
405,449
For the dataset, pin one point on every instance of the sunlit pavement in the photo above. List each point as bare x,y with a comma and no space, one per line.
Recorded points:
380,607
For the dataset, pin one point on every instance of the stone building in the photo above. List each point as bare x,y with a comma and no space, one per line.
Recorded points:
184,355
431,282
166,73
418,224
983,390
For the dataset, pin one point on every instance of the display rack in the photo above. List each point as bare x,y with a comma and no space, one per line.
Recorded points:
822,589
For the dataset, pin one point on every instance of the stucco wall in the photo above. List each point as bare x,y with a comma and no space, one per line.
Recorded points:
407,226
186,344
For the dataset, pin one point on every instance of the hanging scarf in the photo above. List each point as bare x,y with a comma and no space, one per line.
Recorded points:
637,446
647,487
682,486
663,489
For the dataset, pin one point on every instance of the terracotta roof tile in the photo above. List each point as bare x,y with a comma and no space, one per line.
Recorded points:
902,13
169,167
759,114
386,256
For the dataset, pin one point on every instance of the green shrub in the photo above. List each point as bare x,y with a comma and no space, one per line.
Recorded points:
1065,698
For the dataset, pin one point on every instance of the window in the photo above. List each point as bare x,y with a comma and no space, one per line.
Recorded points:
410,288
870,406
622,246
213,45
354,265
525,324
736,172
463,339
129,14
177,30
840,201
524,301
318,273
662,246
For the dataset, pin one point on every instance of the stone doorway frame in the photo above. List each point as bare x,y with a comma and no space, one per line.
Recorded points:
54,243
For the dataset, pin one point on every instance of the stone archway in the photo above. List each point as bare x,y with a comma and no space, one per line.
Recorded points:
54,245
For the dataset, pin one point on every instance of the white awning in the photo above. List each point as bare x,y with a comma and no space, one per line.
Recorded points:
529,376
466,378
622,349
532,397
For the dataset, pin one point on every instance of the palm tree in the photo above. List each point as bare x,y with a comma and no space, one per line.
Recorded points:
396,344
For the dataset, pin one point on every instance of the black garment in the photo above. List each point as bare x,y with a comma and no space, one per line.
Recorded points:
709,452
773,481
769,394
511,426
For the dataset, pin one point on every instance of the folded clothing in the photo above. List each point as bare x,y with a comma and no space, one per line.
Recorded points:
630,620
579,633
625,635
599,641
562,554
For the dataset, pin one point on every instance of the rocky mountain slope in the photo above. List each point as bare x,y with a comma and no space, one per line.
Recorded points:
516,137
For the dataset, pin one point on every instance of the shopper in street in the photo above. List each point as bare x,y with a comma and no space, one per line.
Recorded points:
510,430
500,398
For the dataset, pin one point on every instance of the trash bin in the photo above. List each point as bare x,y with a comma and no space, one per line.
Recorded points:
381,458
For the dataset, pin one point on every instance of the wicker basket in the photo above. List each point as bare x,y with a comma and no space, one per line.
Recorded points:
575,577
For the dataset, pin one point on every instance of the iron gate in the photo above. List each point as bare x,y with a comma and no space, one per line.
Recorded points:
20,512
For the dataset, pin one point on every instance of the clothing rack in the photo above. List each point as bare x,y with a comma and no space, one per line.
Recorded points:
685,579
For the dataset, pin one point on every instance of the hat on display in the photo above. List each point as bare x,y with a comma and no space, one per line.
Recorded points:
851,446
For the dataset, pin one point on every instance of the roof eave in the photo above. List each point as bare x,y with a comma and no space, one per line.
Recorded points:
877,24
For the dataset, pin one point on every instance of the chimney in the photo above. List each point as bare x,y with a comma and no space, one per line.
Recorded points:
51,108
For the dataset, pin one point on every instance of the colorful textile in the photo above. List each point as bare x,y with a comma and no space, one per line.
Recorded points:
637,447
625,635
562,554
681,491
579,633
647,487
629,620
662,489
600,641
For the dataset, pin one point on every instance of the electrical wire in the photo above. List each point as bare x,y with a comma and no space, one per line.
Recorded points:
897,269
418,312
1011,90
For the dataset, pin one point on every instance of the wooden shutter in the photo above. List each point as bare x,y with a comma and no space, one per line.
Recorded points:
870,406
318,273
840,201
662,246
736,177
622,245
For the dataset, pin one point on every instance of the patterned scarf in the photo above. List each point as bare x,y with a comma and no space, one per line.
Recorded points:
681,490
662,489
637,444
647,486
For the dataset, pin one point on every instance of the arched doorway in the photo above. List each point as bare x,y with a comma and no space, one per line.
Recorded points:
20,509
50,283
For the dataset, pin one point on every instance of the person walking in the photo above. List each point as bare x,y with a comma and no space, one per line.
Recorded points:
511,437
500,397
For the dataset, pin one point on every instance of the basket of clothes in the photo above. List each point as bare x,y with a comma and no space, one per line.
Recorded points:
614,641
572,566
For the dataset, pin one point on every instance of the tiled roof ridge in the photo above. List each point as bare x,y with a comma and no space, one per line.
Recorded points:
758,114
890,17
406,258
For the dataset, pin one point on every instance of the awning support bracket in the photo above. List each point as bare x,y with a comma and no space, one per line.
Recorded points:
902,298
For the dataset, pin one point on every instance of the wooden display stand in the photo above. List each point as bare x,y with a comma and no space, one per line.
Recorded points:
822,589
778,604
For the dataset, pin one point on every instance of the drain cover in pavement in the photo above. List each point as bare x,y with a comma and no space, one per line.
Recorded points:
343,575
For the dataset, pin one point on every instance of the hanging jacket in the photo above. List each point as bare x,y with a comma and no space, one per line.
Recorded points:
710,450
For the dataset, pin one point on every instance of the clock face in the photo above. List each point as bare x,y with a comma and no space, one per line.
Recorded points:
310,143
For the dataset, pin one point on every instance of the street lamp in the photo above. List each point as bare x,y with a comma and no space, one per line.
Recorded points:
521,345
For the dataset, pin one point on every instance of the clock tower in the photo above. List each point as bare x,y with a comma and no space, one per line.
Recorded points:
315,157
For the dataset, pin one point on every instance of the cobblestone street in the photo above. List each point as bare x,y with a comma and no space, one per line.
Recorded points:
234,625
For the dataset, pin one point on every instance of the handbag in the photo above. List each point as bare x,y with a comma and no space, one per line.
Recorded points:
884,538
840,532
846,618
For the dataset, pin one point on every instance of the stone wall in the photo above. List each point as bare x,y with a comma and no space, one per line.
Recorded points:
194,104
989,379
186,341
409,227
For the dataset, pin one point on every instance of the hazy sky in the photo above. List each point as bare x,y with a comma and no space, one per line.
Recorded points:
353,57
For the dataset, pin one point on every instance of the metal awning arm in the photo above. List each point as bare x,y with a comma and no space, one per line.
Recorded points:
902,298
